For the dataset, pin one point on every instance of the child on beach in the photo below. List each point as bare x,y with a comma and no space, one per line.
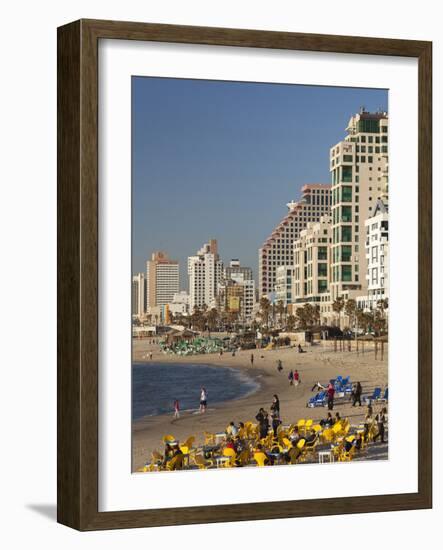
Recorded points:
296,378
176,408
279,365
291,377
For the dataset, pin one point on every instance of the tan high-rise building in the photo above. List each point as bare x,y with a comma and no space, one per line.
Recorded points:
359,170
312,267
162,279
278,249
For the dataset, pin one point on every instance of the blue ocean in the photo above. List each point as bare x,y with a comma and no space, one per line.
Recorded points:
155,386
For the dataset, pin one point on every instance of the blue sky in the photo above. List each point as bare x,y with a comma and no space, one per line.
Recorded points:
220,160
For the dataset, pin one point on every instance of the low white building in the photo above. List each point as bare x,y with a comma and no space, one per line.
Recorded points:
377,257
179,304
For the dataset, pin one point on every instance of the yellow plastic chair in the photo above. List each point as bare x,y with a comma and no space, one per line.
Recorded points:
308,425
286,443
243,458
301,425
260,458
176,463
202,462
189,443
231,454
328,435
317,428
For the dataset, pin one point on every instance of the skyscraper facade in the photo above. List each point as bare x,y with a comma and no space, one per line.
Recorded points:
162,279
278,249
138,295
359,172
312,267
205,270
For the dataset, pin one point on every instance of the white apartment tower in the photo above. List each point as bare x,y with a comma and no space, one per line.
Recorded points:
359,171
278,248
162,279
205,271
377,257
138,295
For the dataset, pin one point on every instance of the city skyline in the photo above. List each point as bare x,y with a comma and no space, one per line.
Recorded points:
223,147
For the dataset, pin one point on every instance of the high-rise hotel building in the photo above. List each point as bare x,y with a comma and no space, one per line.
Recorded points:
138,295
205,271
359,170
162,279
278,249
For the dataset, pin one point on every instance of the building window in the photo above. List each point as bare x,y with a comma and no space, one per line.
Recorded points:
346,194
346,273
322,270
346,234
346,174
322,253
322,286
346,253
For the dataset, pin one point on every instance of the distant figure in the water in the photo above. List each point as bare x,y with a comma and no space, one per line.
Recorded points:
150,355
176,408
203,400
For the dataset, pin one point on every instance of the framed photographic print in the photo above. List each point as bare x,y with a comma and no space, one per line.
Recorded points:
244,275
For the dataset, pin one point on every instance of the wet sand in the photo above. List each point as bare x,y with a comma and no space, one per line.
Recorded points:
319,363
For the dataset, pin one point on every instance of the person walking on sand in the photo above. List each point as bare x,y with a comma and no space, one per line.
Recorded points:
252,359
330,392
356,395
297,379
279,365
150,355
203,400
291,377
176,408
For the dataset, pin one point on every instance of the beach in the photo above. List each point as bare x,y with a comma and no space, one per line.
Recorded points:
319,363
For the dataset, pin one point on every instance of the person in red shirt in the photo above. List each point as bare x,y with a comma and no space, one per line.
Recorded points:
330,392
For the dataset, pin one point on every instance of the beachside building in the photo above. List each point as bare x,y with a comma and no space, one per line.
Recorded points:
235,269
312,267
162,279
138,295
283,286
359,172
377,257
179,304
237,295
205,271
278,250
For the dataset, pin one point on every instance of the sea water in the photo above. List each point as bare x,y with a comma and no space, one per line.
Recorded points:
155,386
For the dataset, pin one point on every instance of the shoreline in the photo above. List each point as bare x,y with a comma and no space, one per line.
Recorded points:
255,377
319,363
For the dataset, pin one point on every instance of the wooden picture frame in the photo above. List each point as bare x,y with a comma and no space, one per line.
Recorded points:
78,273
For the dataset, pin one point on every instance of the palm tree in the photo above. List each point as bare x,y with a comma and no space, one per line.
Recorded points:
338,306
382,306
290,323
265,308
212,318
281,308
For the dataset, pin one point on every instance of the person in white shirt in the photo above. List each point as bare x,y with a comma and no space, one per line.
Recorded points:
203,400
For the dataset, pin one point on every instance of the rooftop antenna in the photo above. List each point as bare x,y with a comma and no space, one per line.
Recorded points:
362,109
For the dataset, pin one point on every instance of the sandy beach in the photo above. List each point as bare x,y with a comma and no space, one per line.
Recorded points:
319,363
